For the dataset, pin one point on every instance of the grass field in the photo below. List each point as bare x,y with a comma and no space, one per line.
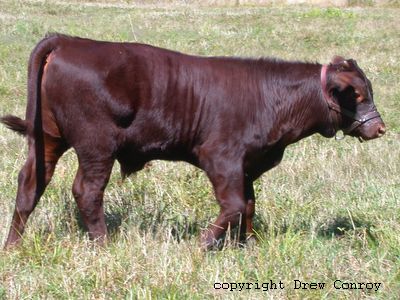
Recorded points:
329,212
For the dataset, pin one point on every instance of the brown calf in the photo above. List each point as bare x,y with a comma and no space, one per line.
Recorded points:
133,103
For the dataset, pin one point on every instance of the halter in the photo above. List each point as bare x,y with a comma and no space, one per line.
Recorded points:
332,105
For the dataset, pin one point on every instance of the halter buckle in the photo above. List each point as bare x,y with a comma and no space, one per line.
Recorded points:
339,137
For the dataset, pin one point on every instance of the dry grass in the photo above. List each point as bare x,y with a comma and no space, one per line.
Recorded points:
329,211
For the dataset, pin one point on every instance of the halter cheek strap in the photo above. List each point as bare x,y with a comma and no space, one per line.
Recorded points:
332,105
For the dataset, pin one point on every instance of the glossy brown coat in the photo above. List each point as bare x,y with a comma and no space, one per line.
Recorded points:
133,103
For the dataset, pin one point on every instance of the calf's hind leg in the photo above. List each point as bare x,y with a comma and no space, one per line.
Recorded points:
32,181
88,190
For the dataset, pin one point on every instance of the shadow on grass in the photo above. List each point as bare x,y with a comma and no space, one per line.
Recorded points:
344,225
182,227
113,221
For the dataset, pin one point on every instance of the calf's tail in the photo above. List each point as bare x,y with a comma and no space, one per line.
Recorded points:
14,123
36,172
37,62
32,125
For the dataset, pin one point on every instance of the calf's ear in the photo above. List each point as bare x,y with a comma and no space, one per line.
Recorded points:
337,59
345,80
346,77
340,62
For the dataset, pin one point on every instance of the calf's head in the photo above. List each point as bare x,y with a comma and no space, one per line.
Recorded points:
350,98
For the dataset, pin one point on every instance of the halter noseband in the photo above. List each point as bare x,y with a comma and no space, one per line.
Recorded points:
332,105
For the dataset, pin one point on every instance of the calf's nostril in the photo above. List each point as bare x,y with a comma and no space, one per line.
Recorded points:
382,130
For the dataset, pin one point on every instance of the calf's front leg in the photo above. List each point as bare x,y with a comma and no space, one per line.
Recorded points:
250,208
227,179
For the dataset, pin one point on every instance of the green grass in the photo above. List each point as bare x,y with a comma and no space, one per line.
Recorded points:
329,211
